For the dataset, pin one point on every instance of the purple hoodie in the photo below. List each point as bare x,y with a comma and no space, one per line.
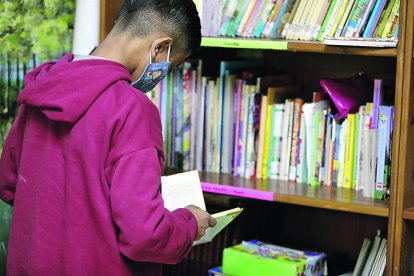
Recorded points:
82,166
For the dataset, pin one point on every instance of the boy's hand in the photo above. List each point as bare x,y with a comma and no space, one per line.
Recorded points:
204,220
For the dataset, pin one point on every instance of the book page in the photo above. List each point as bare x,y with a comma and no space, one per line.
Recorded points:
223,219
181,190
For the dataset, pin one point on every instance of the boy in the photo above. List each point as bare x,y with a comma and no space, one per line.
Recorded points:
83,160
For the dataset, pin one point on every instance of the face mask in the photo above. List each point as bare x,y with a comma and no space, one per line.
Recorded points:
153,74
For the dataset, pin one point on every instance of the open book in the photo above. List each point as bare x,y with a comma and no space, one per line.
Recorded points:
183,189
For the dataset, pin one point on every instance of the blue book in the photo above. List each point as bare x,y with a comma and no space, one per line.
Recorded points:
373,20
386,114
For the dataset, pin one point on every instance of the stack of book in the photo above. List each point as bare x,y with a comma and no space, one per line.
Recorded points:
253,125
301,20
372,256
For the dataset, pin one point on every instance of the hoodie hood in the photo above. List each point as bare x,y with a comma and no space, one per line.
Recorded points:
64,90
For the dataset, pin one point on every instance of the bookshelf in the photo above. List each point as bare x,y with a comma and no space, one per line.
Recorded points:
348,216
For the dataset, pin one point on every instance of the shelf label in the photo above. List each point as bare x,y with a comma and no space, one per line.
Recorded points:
236,191
244,43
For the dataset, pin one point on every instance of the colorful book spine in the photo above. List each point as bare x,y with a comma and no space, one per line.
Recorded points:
356,16
336,162
287,140
263,17
250,149
263,111
383,150
320,36
344,19
289,20
298,103
269,121
273,27
238,138
301,168
376,103
374,18
338,17
342,145
350,152
384,18
392,22
277,138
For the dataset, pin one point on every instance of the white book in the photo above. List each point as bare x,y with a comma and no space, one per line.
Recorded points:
277,137
342,150
362,257
183,189
372,253
309,110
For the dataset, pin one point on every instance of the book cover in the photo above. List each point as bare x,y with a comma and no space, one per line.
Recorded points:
386,114
321,18
338,17
252,24
392,22
320,36
287,140
294,26
344,18
251,135
289,20
276,141
183,189
372,253
356,16
384,18
362,257
272,18
268,129
349,152
374,18
364,18
336,161
319,169
377,100
310,112
263,115
298,103
342,150
284,19
269,5
301,166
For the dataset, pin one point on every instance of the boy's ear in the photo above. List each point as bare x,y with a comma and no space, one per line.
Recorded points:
161,45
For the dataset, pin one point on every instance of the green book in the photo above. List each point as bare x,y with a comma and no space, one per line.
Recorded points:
326,20
383,19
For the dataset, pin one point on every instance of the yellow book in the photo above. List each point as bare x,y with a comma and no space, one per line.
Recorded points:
263,111
350,152
338,18
268,131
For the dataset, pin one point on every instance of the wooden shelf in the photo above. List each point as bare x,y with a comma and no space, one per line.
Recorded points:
325,197
409,213
295,46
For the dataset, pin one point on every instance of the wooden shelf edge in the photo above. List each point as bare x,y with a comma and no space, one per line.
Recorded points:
294,46
324,197
334,205
409,213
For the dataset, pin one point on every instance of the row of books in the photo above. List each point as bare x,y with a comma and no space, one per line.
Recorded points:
372,257
300,19
254,126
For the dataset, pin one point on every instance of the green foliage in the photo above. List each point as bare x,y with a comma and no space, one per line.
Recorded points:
36,27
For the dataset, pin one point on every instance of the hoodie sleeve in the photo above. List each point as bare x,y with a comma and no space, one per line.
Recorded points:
8,169
147,231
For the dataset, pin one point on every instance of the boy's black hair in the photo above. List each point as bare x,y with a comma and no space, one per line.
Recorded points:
177,18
